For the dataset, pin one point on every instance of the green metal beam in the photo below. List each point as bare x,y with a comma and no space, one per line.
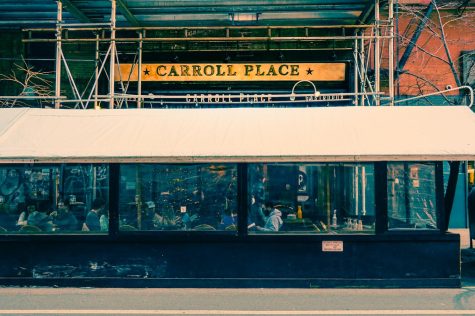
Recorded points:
78,14
126,12
366,13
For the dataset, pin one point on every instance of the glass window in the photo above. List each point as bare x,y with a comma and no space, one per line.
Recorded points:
311,198
54,198
411,196
198,197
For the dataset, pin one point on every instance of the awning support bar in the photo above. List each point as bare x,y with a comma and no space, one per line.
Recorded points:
450,192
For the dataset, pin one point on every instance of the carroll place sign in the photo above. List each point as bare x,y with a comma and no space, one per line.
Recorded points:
233,72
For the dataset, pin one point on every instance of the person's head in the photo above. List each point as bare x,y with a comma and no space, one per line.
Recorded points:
150,207
265,209
21,207
31,208
63,206
98,204
275,212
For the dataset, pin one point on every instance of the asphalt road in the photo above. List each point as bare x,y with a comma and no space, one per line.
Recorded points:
70,301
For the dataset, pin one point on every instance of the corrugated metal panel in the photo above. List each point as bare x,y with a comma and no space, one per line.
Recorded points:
27,13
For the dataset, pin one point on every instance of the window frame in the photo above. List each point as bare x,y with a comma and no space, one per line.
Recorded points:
55,236
439,201
322,235
241,235
166,234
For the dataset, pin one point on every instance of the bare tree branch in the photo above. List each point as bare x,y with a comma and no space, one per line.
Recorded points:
425,80
446,47
33,83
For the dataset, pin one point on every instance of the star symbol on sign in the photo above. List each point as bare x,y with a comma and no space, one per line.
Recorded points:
309,71
146,72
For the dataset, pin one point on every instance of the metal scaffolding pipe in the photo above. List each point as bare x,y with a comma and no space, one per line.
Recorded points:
112,55
355,71
57,89
96,71
230,27
139,88
362,69
391,51
377,52
207,39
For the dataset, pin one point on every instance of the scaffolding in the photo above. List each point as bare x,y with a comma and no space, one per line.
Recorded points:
365,41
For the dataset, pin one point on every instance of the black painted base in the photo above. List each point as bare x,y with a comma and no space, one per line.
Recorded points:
234,283
258,261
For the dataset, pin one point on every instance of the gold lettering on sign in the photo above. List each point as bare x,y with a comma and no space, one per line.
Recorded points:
234,72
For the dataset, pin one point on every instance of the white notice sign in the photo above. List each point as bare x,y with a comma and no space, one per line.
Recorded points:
332,245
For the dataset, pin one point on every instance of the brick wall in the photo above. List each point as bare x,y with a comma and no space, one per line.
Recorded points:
430,64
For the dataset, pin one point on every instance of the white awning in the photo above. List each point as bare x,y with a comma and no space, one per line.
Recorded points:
238,134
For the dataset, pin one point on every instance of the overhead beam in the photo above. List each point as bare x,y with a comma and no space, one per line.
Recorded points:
365,14
124,10
75,11
413,41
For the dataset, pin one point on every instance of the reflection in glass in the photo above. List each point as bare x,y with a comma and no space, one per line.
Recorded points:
51,198
201,197
411,196
311,198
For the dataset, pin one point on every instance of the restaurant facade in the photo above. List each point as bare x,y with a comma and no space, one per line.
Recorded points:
234,144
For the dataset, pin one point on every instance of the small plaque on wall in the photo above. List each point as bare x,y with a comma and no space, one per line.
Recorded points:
332,246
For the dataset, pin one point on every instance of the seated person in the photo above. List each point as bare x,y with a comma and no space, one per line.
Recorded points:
7,220
92,218
187,221
150,219
256,213
24,211
273,223
128,215
228,219
104,221
39,219
63,219
172,221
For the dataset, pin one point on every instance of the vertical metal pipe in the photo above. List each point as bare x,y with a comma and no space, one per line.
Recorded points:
114,193
94,182
59,19
391,51
112,55
381,196
396,22
138,194
363,190
357,189
439,195
355,71
96,89
243,198
377,53
139,83
450,194
328,196
362,69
